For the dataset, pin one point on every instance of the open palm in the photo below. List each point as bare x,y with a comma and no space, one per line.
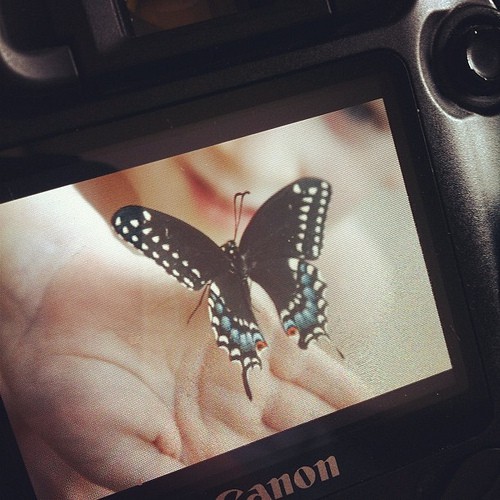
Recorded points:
106,383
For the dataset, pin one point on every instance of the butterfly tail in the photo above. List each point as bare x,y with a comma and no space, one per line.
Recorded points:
246,385
235,329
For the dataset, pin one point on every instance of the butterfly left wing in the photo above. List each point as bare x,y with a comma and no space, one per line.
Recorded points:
284,233
234,324
195,261
185,253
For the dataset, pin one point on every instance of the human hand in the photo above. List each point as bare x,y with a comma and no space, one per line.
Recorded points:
106,384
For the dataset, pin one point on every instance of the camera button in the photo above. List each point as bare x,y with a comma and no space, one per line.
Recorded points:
466,58
483,52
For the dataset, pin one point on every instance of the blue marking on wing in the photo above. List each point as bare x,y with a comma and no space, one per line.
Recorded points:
237,332
306,312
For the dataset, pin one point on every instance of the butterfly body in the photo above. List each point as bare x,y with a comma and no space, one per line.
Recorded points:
274,250
238,262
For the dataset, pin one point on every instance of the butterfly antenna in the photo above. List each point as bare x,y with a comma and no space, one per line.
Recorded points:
238,210
199,303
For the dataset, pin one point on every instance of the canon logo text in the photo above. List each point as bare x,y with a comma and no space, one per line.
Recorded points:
303,478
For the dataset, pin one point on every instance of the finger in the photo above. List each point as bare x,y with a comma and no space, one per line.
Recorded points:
316,372
291,405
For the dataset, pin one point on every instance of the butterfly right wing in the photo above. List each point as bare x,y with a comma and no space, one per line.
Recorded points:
289,224
298,293
283,235
182,250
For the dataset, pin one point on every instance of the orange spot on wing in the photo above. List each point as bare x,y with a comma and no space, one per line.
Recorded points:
260,345
293,330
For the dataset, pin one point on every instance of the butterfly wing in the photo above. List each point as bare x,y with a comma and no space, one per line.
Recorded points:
297,291
290,223
195,260
284,233
184,252
234,324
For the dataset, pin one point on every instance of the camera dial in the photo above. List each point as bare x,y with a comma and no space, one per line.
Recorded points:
482,46
467,58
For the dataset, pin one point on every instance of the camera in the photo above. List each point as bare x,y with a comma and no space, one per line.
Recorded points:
250,249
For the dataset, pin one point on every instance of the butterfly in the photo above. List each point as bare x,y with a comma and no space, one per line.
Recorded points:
283,235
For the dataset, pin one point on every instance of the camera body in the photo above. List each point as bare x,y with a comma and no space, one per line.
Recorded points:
87,80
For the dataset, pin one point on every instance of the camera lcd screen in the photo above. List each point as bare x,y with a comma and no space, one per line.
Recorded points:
139,342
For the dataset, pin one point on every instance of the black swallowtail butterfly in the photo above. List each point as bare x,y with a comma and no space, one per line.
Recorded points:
281,237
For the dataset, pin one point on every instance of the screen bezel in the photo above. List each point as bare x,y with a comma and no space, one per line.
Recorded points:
368,447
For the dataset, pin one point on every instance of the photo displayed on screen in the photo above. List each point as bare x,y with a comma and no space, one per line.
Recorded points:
165,314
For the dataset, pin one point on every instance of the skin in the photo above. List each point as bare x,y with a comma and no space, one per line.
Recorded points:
95,381
101,374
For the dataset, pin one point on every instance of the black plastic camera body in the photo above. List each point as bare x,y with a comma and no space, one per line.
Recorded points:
88,90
